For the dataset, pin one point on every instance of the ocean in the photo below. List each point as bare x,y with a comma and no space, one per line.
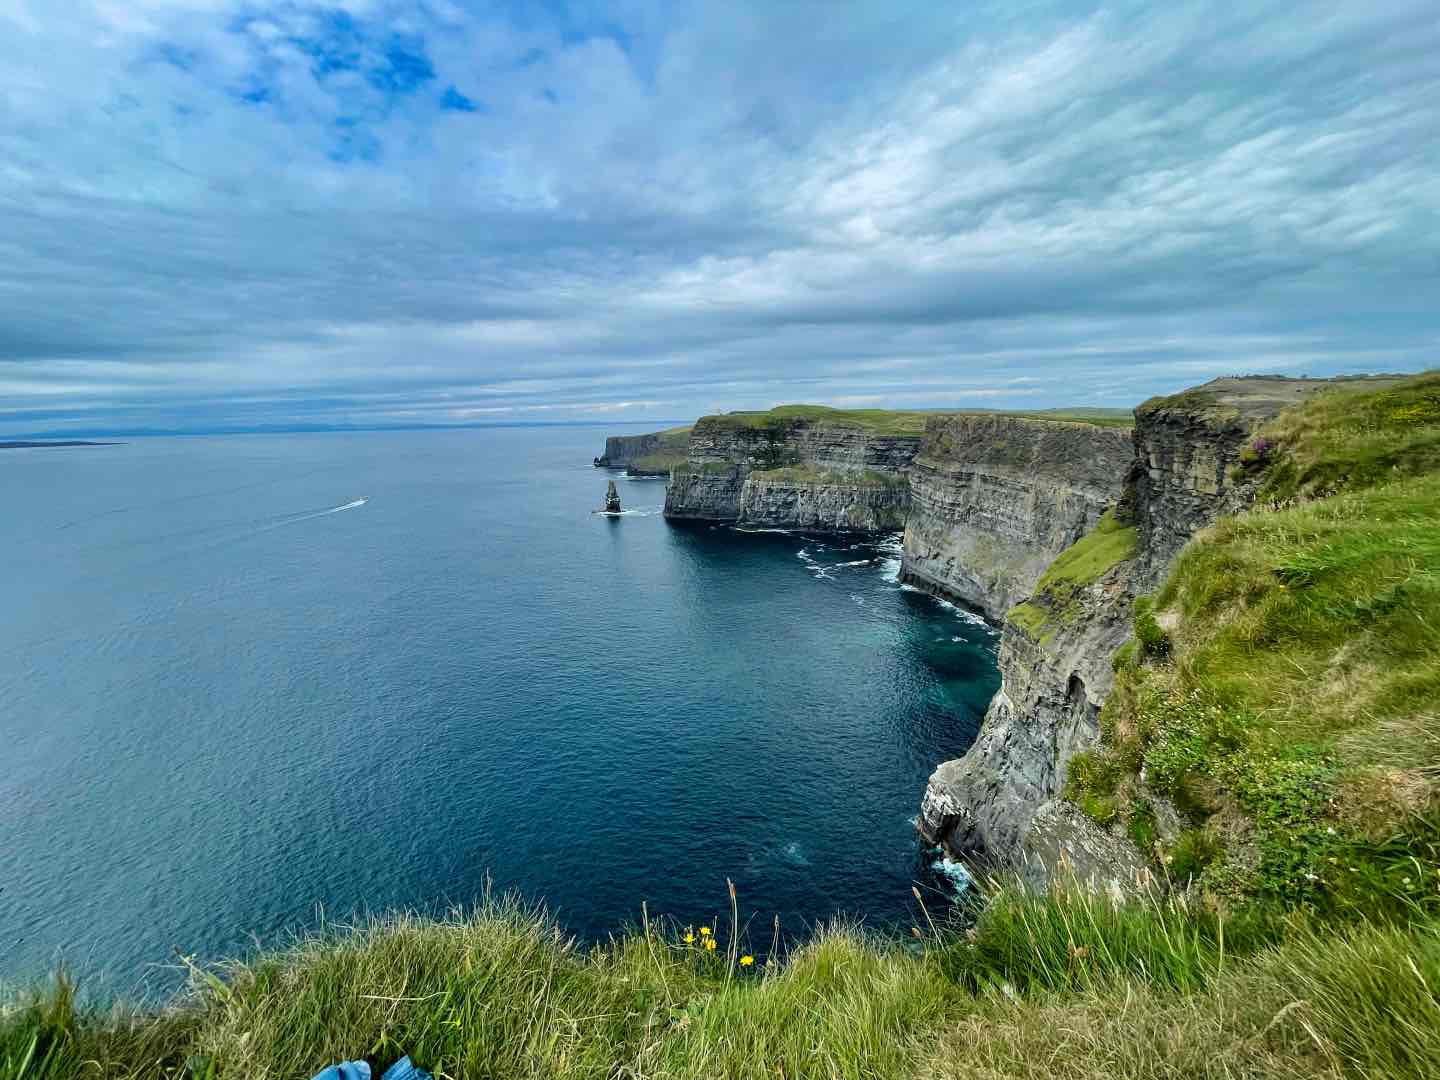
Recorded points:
253,684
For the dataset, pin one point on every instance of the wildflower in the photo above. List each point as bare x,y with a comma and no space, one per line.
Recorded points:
746,961
709,944
689,939
704,931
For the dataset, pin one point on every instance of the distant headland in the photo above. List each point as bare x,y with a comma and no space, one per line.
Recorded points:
27,444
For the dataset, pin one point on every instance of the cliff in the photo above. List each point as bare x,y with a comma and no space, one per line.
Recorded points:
1195,459
652,454
994,498
798,467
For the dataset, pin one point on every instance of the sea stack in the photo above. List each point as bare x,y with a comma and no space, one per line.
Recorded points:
612,499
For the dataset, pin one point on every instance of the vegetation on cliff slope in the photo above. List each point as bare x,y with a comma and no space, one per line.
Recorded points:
1055,602
1064,986
875,421
1284,694
673,446
903,422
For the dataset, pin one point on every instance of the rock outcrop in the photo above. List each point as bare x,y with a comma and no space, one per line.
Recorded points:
612,499
795,471
652,454
1002,803
993,499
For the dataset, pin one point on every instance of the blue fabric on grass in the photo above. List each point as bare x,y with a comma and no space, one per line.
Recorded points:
346,1070
403,1069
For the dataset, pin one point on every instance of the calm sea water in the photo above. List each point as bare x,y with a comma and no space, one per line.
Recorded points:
244,680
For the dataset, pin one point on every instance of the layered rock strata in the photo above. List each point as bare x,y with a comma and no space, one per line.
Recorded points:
1002,803
793,472
993,499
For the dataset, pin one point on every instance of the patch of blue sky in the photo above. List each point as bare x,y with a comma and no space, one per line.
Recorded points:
353,142
406,67
454,101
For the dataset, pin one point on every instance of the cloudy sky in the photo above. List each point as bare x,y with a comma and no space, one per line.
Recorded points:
221,213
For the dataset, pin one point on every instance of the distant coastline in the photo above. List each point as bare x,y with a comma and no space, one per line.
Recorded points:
27,444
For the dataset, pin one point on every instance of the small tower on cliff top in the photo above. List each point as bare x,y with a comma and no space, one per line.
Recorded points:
612,499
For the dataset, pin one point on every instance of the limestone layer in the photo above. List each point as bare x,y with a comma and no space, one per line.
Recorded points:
993,499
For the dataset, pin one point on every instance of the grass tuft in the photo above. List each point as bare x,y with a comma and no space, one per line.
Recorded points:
1065,985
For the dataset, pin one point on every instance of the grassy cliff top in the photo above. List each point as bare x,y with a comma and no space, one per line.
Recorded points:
1262,396
901,422
878,421
1112,418
1284,691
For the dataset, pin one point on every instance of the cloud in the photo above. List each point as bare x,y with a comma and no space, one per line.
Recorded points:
232,212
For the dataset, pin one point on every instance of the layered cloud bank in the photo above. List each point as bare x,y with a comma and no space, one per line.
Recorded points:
219,214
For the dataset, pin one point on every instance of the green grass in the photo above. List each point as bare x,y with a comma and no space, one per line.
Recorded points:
1084,562
903,422
1194,400
657,463
1111,418
876,421
1289,705
1034,620
1349,438
1055,602
1067,985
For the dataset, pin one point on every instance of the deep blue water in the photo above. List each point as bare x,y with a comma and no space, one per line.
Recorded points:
232,695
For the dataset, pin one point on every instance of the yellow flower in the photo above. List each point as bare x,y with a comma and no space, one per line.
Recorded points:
746,961
704,931
689,939
710,944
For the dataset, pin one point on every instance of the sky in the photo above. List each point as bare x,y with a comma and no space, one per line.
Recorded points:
220,214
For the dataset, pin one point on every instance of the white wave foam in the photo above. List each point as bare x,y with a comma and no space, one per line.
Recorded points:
794,854
953,872
820,570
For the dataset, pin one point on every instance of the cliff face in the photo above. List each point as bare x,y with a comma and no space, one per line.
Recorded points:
994,499
1002,802
652,454
623,449
793,472
843,503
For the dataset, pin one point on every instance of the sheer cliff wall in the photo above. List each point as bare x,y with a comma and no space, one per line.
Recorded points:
1001,804
993,499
